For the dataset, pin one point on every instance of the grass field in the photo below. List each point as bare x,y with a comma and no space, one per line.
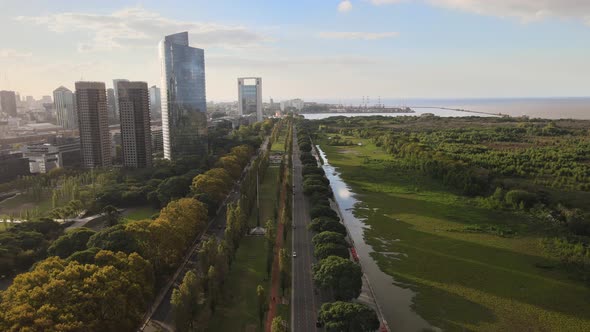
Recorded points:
21,203
138,213
464,280
239,310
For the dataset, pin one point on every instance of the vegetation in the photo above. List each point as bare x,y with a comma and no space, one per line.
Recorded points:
340,275
436,191
348,317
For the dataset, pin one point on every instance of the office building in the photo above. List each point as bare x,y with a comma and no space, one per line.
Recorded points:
111,106
65,108
184,105
136,138
250,96
95,140
155,102
8,103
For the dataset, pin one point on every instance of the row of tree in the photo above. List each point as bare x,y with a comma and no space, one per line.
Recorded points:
334,272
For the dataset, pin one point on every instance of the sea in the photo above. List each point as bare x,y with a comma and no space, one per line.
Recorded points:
547,108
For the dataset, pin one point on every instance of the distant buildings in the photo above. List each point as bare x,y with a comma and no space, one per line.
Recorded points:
134,110
250,96
112,106
45,157
155,102
8,102
184,106
297,104
115,115
65,107
91,102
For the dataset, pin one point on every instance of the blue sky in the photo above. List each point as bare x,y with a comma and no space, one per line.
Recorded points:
309,49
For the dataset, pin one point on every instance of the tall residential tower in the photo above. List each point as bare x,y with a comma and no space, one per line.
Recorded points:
65,107
184,106
250,96
93,122
136,138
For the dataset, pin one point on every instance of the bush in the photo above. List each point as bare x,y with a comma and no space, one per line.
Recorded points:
323,211
320,225
323,250
520,198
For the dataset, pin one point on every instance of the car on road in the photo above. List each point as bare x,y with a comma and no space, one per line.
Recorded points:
294,254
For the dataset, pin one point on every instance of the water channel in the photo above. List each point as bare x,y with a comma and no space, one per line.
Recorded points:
395,301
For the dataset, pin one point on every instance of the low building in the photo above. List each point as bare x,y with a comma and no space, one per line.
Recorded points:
12,165
45,157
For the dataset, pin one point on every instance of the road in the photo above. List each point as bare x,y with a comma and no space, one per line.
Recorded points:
305,301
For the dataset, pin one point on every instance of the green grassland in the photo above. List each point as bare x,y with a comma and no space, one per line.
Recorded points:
465,280
138,213
239,309
18,205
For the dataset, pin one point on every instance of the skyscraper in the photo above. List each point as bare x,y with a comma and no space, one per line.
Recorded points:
65,107
95,139
116,100
136,138
184,105
250,96
155,102
8,102
111,106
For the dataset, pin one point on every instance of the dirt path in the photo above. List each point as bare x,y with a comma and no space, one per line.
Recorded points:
275,275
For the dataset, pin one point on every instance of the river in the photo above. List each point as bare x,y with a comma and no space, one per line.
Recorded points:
417,112
395,301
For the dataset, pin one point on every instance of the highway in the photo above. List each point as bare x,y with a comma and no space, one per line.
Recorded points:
305,301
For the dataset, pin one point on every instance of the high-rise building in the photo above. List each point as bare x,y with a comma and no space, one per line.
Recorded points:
116,100
8,102
111,105
136,138
65,108
93,122
250,96
184,105
155,102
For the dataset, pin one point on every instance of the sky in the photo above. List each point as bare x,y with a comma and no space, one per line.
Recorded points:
313,49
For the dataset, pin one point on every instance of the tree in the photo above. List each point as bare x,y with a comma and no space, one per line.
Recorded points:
70,242
329,237
323,250
320,225
284,269
115,238
112,214
185,302
231,164
187,216
212,279
262,303
270,244
109,295
278,325
173,188
340,275
216,183
348,317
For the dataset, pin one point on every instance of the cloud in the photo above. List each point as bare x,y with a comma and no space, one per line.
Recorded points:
357,35
284,62
524,10
139,27
345,6
12,53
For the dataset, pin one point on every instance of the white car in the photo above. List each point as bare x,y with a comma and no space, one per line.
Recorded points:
294,254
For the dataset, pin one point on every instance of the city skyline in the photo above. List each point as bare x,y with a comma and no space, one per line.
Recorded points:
327,49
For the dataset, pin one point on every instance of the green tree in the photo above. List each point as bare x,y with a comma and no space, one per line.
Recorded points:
278,325
329,237
348,317
185,302
70,242
112,215
340,275
262,303
284,268
323,250
212,279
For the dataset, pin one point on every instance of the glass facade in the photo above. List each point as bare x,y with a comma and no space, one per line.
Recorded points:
184,105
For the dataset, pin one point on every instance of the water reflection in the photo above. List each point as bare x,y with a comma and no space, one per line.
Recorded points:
395,301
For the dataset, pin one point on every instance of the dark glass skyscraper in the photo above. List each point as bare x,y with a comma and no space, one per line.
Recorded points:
184,105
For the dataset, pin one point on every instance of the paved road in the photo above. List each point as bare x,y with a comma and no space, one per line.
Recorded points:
305,303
